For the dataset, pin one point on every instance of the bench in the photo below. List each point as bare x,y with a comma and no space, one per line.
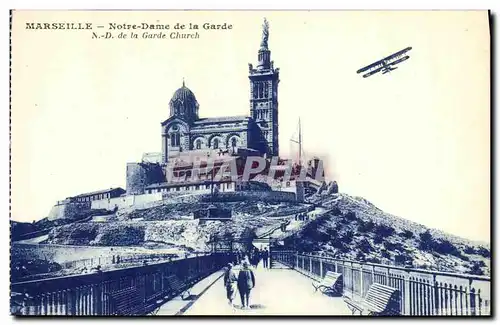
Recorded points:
173,286
127,302
332,282
380,300
176,285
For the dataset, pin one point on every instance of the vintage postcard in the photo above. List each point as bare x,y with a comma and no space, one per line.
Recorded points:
245,163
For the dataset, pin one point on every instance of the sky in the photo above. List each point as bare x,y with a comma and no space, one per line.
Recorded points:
415,142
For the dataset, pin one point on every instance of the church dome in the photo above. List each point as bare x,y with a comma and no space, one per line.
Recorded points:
184,104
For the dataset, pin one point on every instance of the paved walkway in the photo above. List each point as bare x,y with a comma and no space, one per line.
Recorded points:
277,292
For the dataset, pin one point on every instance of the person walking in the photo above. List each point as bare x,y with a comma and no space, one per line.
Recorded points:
256,258
246,282
230,281
265,258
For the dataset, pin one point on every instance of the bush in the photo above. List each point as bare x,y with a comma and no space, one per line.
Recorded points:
407,234
384,230
476,268
332,232
378,239
336,211
365,246
347,237
338,243
350,215
469,250
446,247
392,246
426,241
483,252
402,259
365,227
385,253
360,257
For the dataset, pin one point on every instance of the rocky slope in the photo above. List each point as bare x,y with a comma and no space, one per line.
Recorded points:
172,224
351,227
354,228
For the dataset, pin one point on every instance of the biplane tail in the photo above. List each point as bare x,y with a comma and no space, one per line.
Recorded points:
389,69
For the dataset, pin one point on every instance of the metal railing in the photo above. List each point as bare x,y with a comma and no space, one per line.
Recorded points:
89,294
423,292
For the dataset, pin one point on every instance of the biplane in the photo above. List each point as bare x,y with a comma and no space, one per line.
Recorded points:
387,64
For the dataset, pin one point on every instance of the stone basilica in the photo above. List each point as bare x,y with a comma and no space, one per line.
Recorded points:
185,132
185,137
217,140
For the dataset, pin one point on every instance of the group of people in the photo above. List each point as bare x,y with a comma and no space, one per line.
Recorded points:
302,217
254,257
244,282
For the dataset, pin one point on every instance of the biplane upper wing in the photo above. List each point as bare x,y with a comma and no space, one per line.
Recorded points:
396,56
392,59
400,60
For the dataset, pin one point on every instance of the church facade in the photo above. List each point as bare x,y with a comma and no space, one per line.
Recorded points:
184,131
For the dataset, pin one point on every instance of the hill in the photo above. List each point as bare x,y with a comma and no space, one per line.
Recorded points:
173,225
355,229
350,227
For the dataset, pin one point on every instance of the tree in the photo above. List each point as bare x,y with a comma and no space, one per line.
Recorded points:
476,268
350,215
365,227
407,234
365,246
446,247
426,241
483,252
384,230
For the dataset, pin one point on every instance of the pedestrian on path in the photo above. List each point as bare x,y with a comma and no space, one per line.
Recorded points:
230,281
265,258
246,282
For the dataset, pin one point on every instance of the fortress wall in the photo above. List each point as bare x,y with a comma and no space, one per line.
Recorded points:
145,198
56,212
68,210
110,204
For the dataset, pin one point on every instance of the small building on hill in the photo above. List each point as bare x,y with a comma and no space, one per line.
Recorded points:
212,213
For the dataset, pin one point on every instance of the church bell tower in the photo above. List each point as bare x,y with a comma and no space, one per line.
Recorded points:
264,96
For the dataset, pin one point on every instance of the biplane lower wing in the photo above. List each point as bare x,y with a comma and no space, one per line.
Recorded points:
372,72
374,66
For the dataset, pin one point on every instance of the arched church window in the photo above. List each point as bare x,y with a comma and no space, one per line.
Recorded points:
255,91
198,144
261,90
176,139
266,91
